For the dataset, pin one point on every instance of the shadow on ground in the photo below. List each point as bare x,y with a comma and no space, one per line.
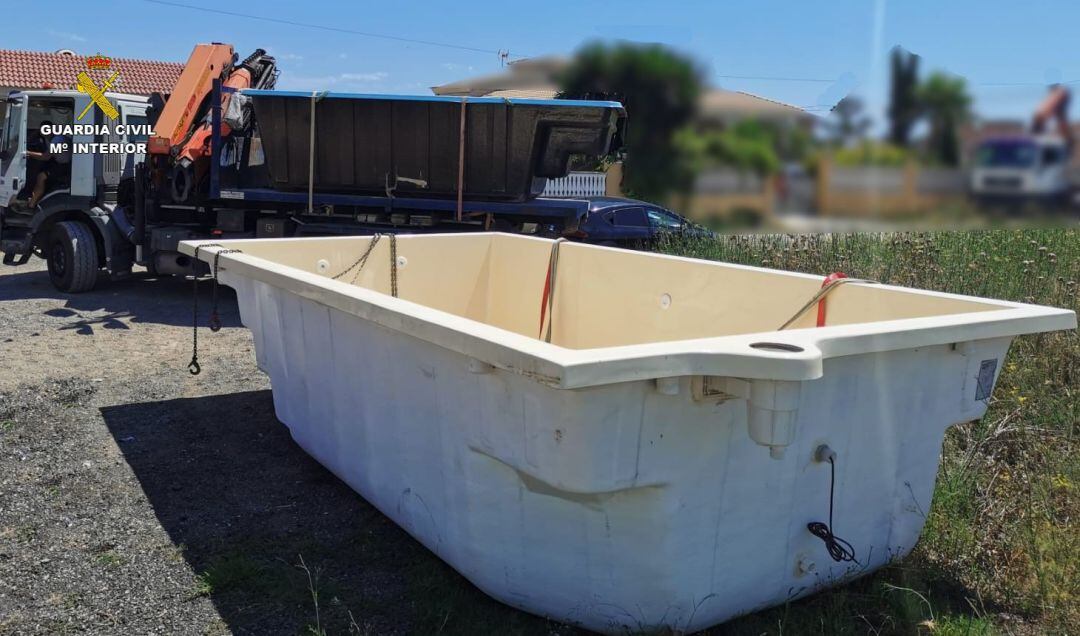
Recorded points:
249,511
142,298
244,504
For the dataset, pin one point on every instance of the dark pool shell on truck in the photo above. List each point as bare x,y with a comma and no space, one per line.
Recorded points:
511,145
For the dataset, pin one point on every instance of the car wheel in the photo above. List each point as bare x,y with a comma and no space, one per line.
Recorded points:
72,255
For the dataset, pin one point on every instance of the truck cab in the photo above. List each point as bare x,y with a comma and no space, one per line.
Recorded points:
1021,168
74,226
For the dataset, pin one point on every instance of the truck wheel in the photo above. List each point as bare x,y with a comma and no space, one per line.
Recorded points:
73,257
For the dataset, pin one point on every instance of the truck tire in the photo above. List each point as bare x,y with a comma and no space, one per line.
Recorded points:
72,255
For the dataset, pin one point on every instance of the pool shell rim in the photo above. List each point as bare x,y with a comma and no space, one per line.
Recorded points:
565,368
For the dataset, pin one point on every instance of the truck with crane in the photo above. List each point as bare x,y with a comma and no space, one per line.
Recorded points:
1017,170
230,157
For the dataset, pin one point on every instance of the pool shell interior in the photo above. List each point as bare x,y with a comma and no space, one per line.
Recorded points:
602,297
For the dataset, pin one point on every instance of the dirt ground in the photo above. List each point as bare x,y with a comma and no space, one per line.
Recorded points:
135,498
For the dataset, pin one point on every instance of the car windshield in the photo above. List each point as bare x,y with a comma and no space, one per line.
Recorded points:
664,219
1006,154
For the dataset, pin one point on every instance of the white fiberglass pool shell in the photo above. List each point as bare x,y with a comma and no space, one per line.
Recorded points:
654,464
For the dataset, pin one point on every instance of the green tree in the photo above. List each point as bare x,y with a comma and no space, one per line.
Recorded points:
903,97
947,104
660,90
747,146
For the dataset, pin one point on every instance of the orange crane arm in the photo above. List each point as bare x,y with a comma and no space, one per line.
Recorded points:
1055,106
198,145
207,62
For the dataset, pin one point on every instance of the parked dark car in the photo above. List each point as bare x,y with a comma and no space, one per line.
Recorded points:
631,223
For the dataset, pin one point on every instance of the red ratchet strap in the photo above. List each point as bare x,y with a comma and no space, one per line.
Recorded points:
544,301
549,287
821,303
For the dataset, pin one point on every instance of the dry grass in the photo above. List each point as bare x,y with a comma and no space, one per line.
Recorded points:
1001,550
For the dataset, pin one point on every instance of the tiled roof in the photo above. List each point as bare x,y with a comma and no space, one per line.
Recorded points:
35,69
529,93
536,77
720,102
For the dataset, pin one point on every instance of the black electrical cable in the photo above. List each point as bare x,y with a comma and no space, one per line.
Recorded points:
839,549
325,27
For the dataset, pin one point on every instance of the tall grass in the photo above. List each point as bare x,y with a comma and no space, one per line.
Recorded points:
1002,532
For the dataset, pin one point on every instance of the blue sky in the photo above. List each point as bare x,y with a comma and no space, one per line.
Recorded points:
1006,50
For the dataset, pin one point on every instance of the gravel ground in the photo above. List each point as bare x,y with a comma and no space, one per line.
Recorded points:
135,498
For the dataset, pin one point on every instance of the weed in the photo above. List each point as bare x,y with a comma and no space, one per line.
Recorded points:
313,587
109,559
1003,522
233,572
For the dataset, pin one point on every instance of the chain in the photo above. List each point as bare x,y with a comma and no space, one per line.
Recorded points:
393,265
193,366
215,319
360,261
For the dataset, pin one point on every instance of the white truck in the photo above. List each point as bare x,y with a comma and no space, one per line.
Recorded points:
80,225
1021,169
205,175
1027,168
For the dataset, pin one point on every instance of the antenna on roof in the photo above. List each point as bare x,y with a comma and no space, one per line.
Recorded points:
67,52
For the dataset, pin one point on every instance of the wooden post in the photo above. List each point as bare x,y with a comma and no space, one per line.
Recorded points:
613,180
911,186
821,192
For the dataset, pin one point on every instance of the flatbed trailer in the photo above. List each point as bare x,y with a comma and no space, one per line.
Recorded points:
234,211
119,212
266,213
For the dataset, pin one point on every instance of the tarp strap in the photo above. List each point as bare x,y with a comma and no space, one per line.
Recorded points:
831,282
315,97
548,300
461,158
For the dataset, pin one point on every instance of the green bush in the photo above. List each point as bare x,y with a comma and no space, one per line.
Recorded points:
747,146
871,153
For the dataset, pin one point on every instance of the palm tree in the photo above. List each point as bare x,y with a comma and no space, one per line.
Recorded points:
903,100
945,101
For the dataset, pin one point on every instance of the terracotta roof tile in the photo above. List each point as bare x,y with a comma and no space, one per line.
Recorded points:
35,69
